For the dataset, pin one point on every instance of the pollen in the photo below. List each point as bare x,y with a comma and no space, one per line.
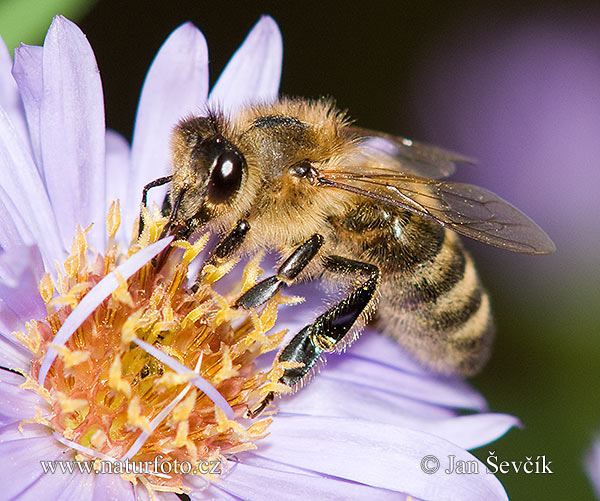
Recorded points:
156,370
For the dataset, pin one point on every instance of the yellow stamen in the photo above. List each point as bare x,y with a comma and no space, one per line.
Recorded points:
46,288
71,357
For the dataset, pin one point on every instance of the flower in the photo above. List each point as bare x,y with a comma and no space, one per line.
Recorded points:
362,428
592,465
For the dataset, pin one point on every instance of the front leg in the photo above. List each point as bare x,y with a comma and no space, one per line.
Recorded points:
228,246
287,272
327,332
152,184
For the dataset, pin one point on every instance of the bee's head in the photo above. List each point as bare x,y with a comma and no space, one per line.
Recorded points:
208,174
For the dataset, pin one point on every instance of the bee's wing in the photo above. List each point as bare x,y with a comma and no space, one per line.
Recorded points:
408,156
467,209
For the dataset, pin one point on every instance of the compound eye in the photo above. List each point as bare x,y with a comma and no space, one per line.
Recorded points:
226,177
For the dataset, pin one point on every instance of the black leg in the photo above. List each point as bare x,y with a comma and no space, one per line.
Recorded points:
287,272
228,246
152,184
232,242
327,332
166,208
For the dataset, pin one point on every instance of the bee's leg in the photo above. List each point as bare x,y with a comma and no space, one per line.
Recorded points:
232,242
166,207
226,247
329,329
287,272
152,184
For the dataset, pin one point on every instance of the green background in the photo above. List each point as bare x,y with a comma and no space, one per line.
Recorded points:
366,55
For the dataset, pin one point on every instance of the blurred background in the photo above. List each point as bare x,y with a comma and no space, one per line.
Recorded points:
515,85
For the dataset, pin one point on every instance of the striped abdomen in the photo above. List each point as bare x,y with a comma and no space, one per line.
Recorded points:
435,305
430,300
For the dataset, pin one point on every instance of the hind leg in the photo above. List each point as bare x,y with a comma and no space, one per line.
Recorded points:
327,332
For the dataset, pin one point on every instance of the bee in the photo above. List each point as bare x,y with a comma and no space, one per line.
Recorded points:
347,206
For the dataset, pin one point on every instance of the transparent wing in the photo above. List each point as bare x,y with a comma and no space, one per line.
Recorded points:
408,156
467,209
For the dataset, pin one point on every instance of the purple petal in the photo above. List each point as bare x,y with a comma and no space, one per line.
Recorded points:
470,432
254,72
386,351
16,403
22,183
27,71
176,86
352,367
376,454
334,398
213,492
592,466
112,487
13,230
22,452
74,486
19,291
118,166
327,397
72,132
12,353
248,482
10,100
94,298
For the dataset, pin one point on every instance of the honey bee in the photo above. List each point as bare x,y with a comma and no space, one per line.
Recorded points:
347,205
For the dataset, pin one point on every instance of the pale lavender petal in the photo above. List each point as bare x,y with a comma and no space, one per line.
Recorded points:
72,132
386,351
21,181
10,100
254,72
592,466
176,86
347,399
99,293
376,454
359,401
74,486
112,487
204,489
141,494
248,482
472,431
20,301
27,71
214,493
16,403
23,451
12,353
424,387
117,176
117,167
19,289
13,229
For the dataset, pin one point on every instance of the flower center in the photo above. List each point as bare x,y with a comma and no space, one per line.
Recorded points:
154,370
